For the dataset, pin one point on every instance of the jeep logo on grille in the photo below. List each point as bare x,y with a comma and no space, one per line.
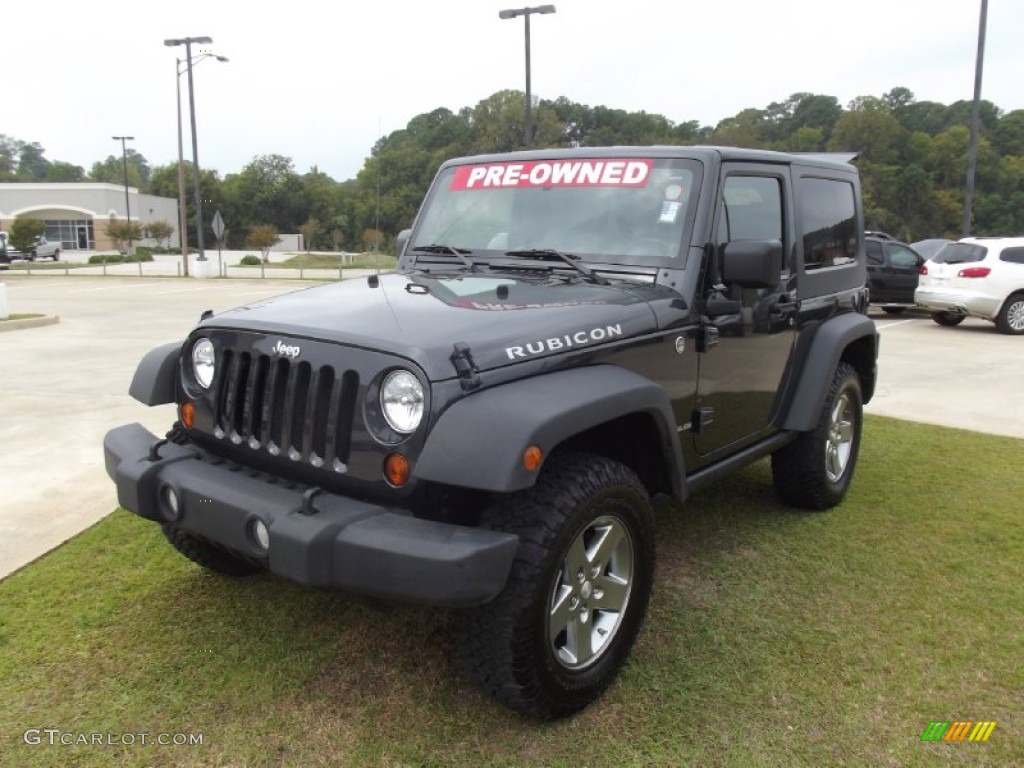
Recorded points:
286,350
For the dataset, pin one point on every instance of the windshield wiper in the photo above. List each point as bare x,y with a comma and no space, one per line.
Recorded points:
459,253
568,258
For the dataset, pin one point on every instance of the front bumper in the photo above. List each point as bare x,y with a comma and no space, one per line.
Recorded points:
317,538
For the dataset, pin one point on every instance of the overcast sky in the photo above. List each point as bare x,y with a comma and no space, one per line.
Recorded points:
320,81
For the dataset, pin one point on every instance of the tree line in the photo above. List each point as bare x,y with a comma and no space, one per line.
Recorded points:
912,160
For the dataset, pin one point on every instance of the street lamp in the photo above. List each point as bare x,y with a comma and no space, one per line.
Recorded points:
187,42
182,211
511,13
127,205
972,144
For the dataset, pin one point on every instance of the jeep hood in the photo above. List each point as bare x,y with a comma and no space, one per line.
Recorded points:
503,319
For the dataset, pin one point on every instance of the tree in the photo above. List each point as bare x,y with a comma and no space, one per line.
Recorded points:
111,170
123,232
372,239
64,172
263,237
159,231
24,232
310,231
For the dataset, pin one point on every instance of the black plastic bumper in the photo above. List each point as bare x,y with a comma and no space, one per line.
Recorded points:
337,542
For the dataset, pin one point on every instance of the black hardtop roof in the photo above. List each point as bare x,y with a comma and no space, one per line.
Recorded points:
697,152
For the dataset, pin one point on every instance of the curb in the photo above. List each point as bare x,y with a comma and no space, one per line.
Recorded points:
28,322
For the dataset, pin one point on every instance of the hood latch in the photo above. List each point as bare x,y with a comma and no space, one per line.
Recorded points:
462,359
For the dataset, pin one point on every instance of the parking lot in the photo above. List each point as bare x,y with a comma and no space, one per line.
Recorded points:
65,385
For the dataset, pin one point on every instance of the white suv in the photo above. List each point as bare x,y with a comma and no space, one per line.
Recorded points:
976,277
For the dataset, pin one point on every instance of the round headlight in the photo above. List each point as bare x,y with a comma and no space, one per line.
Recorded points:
401,400
204,362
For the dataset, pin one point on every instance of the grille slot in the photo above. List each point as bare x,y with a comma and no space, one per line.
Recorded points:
287,408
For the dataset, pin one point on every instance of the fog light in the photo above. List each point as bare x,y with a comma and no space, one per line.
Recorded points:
260,534
172,505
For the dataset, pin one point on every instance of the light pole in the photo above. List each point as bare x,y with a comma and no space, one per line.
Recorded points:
127,205
187,42
511,13
182,210
972,146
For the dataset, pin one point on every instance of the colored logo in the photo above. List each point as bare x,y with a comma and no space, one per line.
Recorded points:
958,730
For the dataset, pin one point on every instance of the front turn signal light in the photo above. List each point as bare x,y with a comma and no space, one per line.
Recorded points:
396,469
188,414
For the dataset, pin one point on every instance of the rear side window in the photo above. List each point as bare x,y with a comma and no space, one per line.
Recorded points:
828,222
903,258
960,253
1012,255
874,249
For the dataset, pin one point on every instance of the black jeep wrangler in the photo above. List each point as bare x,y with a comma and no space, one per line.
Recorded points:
568,333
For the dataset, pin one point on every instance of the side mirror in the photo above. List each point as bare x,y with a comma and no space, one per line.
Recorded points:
400,243
752,263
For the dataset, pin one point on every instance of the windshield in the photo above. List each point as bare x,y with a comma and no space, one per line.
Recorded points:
632,210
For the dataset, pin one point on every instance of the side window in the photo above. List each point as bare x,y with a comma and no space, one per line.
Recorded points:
828,222
903,258
751,209
1013,255
874,249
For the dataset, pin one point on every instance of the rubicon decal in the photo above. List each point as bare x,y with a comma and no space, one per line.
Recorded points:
566,341
553,173
958,730
286,350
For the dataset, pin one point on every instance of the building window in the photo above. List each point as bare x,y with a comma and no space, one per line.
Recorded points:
73,234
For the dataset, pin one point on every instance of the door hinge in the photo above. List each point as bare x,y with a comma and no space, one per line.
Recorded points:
465,368
702,418
707,339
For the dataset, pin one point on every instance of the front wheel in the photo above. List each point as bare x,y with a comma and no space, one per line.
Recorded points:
1011,317
814,471
947,319
559,633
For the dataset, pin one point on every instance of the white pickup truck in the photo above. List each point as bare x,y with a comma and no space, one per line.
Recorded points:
40,248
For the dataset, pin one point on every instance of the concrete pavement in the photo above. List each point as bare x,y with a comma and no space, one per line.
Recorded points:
65,385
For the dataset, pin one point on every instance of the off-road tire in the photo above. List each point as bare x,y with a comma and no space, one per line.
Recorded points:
1011,317
210,557
947,319
814,471
508,646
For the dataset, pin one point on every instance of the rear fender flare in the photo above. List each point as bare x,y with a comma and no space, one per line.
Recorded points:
817,358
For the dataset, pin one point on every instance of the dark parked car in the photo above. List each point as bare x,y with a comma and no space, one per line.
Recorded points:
893,271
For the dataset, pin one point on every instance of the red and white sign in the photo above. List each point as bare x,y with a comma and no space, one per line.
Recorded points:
553,173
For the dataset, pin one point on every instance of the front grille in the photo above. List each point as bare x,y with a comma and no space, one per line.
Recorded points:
286,408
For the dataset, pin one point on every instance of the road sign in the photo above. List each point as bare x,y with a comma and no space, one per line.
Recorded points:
218,226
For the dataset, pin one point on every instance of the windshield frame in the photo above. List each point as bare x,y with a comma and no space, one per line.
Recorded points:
523,197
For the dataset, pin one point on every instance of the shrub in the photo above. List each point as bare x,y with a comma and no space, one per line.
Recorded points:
119,258
250,261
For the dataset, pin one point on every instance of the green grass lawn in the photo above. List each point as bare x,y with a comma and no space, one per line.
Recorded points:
774,638
330,261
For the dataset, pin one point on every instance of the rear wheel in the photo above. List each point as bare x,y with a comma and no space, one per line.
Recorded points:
1011,317
561,630
210,557
948,319
56,254
814,471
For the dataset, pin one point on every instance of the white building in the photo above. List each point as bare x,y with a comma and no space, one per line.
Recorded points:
76,215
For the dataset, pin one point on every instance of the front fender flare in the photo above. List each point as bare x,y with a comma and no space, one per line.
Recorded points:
153,382
479,441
